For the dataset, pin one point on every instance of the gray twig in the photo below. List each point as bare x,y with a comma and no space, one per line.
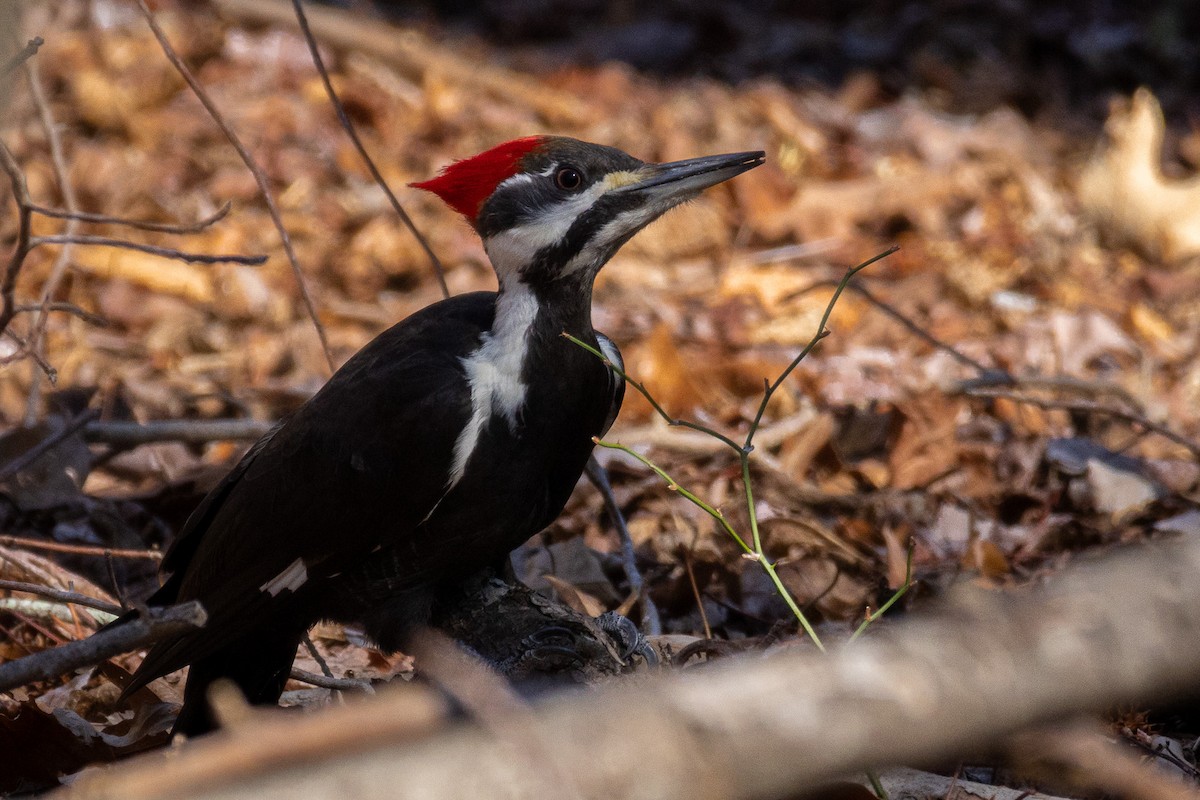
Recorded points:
191,431
61,595
598,475
336,684
165,252
152,626
438,270
20,190
139,224
62,176
260,177
32,454
27,52
1089,407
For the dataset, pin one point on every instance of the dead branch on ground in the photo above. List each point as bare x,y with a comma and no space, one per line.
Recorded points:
1127,629
150,627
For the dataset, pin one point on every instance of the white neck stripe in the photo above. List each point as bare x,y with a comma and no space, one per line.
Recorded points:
493,371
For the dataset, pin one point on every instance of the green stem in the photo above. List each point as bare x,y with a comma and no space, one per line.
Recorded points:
674,486
872,616
674,422
821,333
791,603
750,509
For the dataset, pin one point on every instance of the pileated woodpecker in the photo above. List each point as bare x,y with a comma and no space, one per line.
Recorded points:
438,448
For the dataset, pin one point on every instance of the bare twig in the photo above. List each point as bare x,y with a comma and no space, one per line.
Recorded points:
165,252
191,431
61,595
62,175
141,225
259,176
24,352
822,332
640,388
651,624
20,190
78,549
734,732
34,453
330,682
102,645
316,656
65,308
1089,407
691,573
27,52
917,330
438,270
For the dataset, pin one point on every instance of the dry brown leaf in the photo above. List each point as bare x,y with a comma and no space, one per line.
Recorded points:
575,597
985,557
1124,190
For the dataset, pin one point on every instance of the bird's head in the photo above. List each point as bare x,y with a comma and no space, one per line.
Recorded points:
553,210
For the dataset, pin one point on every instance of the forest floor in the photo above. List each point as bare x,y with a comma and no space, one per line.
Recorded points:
1015,388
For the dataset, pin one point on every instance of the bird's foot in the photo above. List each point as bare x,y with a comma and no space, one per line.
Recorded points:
629,641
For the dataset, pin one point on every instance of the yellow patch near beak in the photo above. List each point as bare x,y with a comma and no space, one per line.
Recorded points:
617,180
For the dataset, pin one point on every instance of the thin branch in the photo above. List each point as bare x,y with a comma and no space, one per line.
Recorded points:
165,252
438,270
330,682
674,422
62,176
20,190
65,308
691,573
138,224
822,332
991,373
154,625
78,549
190,431
62,596
38,450
27,52
871,616
259,176
316,656
674,486
23,352
651,623
1089,407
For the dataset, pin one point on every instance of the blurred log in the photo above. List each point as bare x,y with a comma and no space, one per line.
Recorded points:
1124,630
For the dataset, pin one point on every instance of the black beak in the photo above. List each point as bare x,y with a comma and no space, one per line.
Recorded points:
684,178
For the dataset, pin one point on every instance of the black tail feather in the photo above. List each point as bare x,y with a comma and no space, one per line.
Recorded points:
258,665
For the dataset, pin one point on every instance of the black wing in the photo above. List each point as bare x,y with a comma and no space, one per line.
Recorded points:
306,496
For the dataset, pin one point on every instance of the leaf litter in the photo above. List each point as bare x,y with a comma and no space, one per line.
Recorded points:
1057,263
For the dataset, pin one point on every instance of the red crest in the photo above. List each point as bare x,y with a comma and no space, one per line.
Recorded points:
464,185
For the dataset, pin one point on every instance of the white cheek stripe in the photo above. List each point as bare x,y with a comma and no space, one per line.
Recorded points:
291,579
618,226
494,371
512,250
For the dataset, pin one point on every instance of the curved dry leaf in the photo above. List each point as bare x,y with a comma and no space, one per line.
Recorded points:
1123,186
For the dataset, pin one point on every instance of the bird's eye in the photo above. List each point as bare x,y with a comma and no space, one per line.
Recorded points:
568,179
